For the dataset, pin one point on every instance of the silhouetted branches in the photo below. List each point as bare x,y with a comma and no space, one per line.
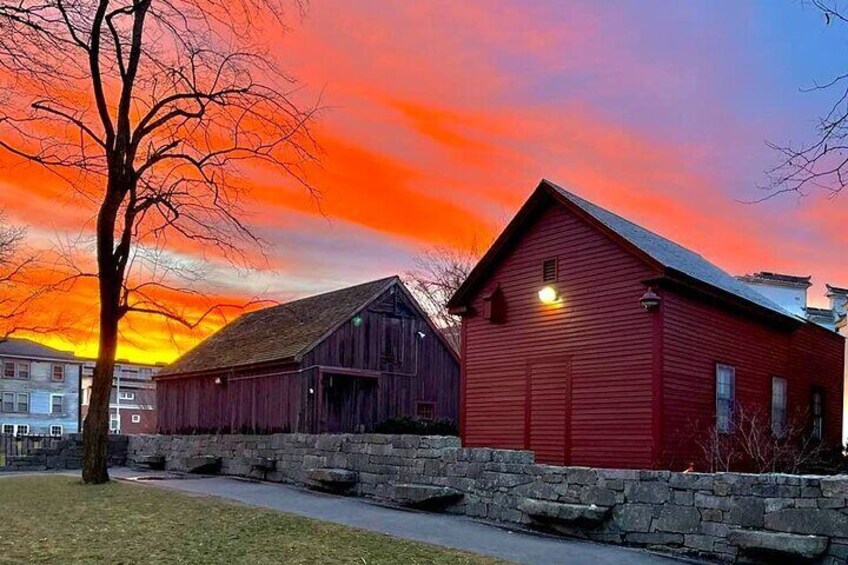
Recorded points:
157,112
821,164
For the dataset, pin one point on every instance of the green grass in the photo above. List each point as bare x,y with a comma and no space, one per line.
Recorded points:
55,519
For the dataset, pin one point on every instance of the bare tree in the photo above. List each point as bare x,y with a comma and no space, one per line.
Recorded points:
821,164
154,112
437,275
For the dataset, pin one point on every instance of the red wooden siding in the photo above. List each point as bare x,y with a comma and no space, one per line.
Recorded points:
698,335
360,374
600,325
631,388
548,410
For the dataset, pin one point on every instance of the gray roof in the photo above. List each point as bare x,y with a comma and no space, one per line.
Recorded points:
672,255
280,332
21,347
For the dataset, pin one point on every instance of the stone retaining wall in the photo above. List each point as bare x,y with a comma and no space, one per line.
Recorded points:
724,516
64,454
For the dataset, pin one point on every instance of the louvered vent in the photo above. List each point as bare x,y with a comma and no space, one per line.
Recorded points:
549,270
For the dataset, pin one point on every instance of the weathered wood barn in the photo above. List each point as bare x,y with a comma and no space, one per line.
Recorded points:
593,341
337,362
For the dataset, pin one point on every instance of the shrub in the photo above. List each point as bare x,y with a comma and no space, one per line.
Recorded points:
407,425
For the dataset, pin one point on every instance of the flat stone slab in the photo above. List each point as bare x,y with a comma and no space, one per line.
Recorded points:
423,496
263,463
758,541
331,479
202,464
155,462
547,511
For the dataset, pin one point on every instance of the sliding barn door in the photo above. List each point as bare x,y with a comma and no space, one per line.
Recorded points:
548,405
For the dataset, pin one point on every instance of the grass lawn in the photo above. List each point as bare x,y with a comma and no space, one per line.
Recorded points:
55,519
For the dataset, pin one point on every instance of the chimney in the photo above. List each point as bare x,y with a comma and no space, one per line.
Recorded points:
838,300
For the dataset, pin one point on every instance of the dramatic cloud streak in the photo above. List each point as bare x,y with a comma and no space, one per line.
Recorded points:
441,118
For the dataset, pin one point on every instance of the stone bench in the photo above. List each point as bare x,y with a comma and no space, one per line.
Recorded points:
760,543
423,496
152,462
331,480
550,513
203,464
265,464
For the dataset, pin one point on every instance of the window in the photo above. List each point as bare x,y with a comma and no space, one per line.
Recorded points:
817,411
778,406
58,375
22,430
425,410
23,402
725,397
136,419
56,404
56,431
115,422
549,270
8,429
8,402
126,396
15,370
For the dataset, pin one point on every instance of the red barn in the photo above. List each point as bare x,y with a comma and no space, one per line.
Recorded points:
335,362
593,341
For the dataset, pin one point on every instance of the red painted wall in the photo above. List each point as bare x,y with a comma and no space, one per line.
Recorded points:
599,327
697,335
631,388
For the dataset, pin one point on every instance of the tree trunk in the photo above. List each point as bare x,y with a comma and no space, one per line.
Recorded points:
95,439
96,426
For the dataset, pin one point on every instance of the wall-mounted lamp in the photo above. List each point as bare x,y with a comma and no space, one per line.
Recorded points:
650,300
421,335
220,381
549,295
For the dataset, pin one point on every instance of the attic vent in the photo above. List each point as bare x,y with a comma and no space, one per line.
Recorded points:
549,270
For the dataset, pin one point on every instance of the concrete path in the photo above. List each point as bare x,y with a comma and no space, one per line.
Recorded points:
439,529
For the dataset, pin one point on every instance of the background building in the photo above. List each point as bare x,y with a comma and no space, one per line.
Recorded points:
132,404
336,362
39,389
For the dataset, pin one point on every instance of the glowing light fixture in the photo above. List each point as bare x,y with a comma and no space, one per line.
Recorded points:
357,321
549,295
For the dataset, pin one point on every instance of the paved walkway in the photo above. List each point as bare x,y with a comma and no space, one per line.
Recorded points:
439,529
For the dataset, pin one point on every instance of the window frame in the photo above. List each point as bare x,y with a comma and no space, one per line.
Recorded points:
817,431
123,395
53,368
135,418
61,430
18,431
9,433
16,367
116,419
779,429
720,402
3,401
61,398
28,400
419,404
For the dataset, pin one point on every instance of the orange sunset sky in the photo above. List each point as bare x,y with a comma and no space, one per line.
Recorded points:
441,117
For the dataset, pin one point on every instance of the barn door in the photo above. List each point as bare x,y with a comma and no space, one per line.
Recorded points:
547,404
349,403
